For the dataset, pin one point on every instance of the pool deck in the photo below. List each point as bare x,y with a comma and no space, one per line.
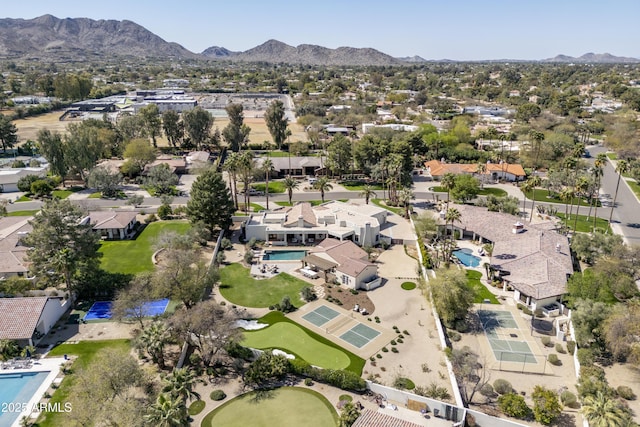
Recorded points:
51,365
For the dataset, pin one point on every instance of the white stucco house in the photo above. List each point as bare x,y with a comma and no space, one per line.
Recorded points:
9,177
27,320
304,224
116,225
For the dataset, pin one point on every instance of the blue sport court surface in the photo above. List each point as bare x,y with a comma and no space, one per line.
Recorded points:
502,333
102,309
320,315
360,335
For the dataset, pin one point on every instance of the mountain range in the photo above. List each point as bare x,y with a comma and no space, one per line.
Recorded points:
72,39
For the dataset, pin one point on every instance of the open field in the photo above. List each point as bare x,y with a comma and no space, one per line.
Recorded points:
28,128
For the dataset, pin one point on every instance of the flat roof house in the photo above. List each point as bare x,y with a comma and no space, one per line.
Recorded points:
304,224
294,166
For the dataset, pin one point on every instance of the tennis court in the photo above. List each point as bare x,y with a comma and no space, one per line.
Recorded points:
360,335
320,315
502,332
102,309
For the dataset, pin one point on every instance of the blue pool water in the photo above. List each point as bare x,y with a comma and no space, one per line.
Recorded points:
467,258
16,390
284,255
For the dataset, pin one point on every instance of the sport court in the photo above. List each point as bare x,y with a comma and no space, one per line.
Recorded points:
101,310
503,334
320,316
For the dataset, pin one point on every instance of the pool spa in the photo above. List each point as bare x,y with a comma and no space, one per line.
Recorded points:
466,257
284,255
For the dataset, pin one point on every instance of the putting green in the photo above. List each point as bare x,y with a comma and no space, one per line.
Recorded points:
285,407
292,339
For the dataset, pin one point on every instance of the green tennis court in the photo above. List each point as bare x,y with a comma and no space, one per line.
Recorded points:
360,335
501,330
320,315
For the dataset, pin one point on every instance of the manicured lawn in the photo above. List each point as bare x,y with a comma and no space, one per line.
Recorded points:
438,189
635,187
253,207
95,195
24,199
85,350
482,293
134,256
284,407
381,204
584,225
407,286
313,202
498,192
275,187
61,194
612,156
543,195
22,213
240,288
376,187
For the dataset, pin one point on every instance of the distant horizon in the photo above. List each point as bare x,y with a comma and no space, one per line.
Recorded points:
465,30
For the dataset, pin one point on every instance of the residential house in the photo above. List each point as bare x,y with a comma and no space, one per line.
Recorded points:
27,320
13,255
116,225
304,224
9,177
294,165
345,262
533,259
493,171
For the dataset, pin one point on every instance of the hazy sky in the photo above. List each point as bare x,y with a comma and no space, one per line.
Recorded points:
451,29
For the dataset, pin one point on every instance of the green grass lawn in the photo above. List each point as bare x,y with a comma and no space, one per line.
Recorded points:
612,156
23,213
584,225
498,192
438,189
61,194
275,187
134,256
482,293
253,207
85,350
381,204
313,202
635,187
24,199
291,338
376,187
95,195
284,407
542,195
240,288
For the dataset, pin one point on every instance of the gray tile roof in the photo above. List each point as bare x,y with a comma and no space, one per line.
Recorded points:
111,219
19,316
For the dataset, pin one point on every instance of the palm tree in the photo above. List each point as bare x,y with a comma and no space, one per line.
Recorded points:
621,168
152,340
598,171
367,192
565,195
246,166
447,182
452,216
8,349
167,411
322,185
290,184
525,187
537,138
267,167
602,411
481,168
404,197
180,384
582,186
534,182
231,165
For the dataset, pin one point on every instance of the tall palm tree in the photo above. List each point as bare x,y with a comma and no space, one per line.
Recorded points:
180,383
537,138
481,168
404,197
290,184
322,185
447,182
267,167
603,411
153,340
534,182
246,166
565,195
167,411
367,192
582,187
598,171
8,349
231,165
451,216
621,168
525,187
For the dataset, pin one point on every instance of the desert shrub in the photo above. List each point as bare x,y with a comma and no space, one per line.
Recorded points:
308,382
560,349
385,349
164,212
514,405
393,342
526,310
553,359
626,393
217,395
345,398
487,390
546,341
454,336
196,407
151,218
586,356
568,399
502,386
461,326
404,383
571,347
394,350
226,244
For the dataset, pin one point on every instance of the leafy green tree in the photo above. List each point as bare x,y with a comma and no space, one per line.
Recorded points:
8,133
546,405
290,184
167,411
162,179
135,200
24,183
339,155
105,181
514,405
450,295
349,414
184,277
588,321
61,243
210,201
152,123
86,143
52,148
131,127
129,302
266,370
528,111
276,122
323,184
197,125
466,187
236,133
41,188
472,375
140,153
172,126
622,324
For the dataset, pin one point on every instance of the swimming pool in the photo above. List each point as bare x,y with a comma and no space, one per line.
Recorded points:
283,255
16,390
466,257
